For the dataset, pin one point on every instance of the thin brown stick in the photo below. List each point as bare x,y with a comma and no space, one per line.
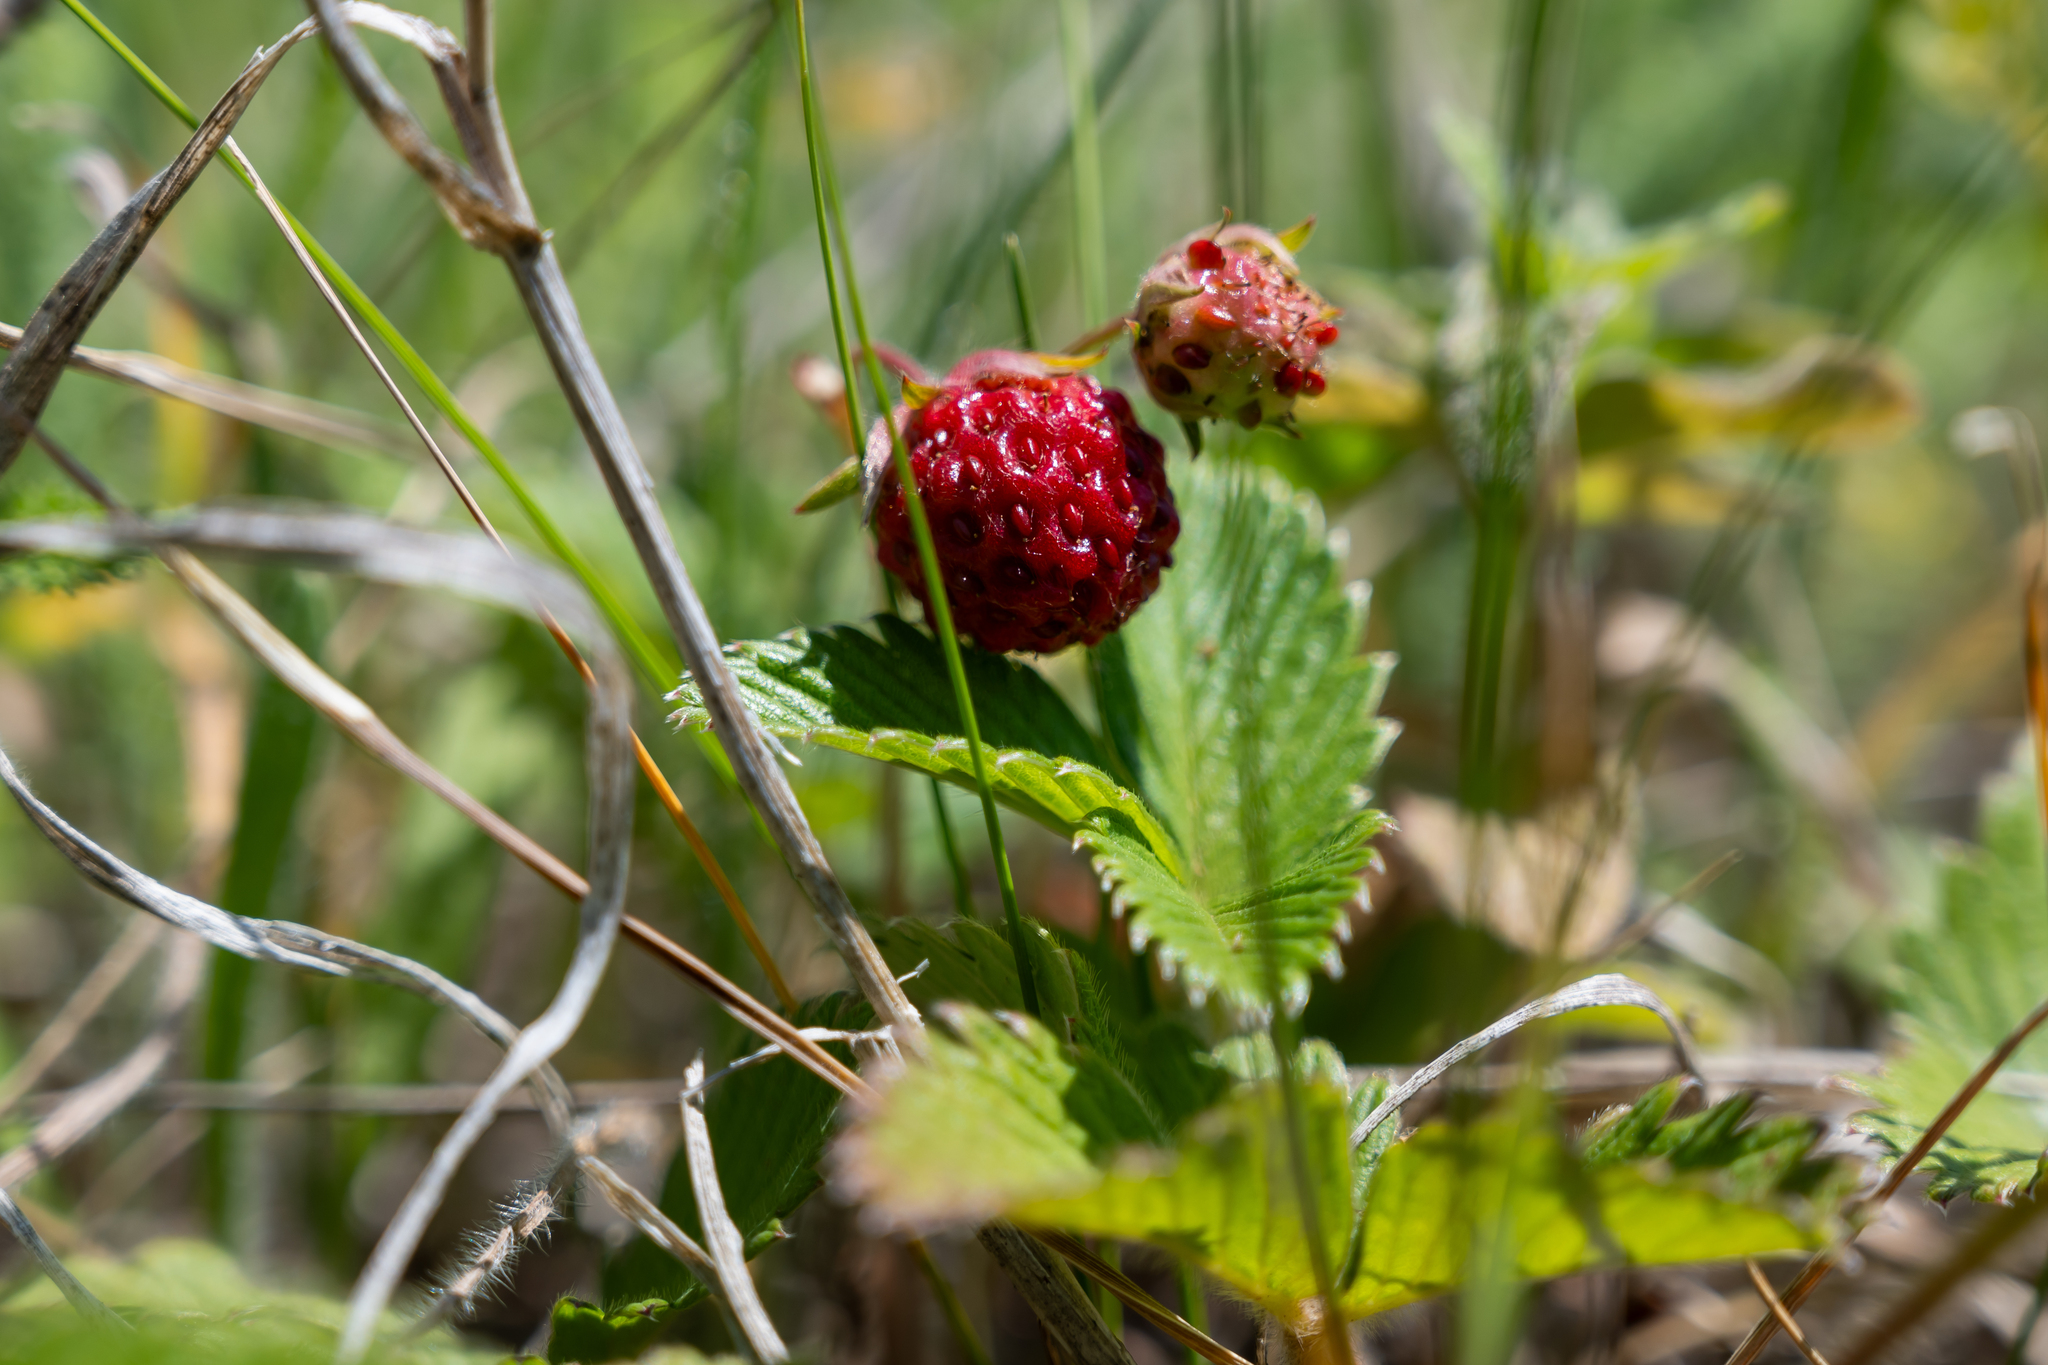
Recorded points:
137,937
1817,1269
749,1011
2025,461
91,1105
228,529
1138,1301
435,45
306,418
1071,1319
671,803
1786,1322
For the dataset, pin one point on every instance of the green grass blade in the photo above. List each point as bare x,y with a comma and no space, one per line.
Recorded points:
659,667
1089,249
920,525
1020,287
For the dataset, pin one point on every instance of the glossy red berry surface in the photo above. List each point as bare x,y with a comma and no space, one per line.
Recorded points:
1048,503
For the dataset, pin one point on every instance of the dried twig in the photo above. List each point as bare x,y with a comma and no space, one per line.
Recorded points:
33,368
1135,1298
306,418
471,207
79,1009
92,1104
1931,1290
1778,1310
77,1295
728,1249
538,275
1817,1269
1994,430
1595,991
1049,1287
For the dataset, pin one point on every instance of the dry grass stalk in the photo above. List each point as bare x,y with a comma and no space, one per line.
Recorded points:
727,1247
537,273
1786,1321
1071,1319
306,418
77,1295
83,1005
1592,993
33,368
1133,1296
84,1109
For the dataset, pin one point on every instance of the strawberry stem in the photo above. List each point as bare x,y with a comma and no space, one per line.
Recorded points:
824,185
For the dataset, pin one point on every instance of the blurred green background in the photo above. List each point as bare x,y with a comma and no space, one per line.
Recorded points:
1884,161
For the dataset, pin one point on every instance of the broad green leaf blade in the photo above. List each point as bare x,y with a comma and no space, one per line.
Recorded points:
1565,1217
1243,695
1963,985
886,697
1224,1197
191,1304
970,963
1004,1113
585,1334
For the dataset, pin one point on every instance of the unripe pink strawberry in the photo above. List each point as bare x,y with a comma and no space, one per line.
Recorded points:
1048,502
1227,330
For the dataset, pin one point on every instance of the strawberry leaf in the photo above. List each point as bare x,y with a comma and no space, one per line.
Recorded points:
1964,983
1007,1120
1238,699
1249,714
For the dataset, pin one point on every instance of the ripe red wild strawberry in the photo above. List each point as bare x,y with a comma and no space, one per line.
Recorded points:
1048,502
1227,330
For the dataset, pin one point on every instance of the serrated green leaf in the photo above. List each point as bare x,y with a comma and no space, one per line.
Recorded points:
888,698
46,572
1004,1112
969,963
1252,715
1224,1197
1238,696
585,1334
1008,1121
1964,984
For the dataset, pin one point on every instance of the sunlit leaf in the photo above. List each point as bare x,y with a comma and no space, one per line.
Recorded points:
585,1334
1964,983
1251,712
1239,697
1700,1191
1003,1114
1007,1120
